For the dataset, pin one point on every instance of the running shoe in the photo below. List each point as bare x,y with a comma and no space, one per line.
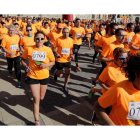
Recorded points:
65,89
19,84
78,69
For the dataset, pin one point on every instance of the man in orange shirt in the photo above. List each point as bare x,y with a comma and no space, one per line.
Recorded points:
103,42
107,53
129,36
63,53
10,45
77,34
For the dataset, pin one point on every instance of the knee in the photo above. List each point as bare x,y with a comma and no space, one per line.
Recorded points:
36,100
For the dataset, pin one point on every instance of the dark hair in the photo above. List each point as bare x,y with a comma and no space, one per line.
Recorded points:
28,26
118,30
132,67
3,23
100,25
46,23
39,32
16,24
112,25
77,19
129,24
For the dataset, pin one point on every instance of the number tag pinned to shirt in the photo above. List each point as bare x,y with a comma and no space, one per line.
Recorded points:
65,51
38,56
129,39
13,47
89,33
77,35
134,111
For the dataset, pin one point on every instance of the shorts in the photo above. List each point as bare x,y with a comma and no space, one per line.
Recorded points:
46,43
37,81
60,66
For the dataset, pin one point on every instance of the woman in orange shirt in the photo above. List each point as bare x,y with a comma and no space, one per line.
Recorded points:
40,59
124,97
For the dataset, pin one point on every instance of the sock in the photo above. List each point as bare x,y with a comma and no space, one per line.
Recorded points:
76,64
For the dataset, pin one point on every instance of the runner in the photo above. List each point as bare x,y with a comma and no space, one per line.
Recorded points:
77,34
10,45
38,70
88,32
107,53
17,32
129,36
63,54
123,97
96,38
103,42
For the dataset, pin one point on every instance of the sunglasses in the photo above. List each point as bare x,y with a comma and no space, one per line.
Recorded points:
37,38
123,58
29,30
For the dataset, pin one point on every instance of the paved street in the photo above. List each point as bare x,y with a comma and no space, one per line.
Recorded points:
57,108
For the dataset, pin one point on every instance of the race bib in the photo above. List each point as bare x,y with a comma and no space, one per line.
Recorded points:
89,33
65,51
38,56
134,111
77,35
129,39
13,47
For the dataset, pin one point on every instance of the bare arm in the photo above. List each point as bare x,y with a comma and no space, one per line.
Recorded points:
97,48
100,112
131,46
102,84
104,59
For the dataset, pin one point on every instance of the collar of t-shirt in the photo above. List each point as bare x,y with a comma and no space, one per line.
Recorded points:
30,35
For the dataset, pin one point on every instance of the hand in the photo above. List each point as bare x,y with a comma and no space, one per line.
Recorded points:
111,60
72,57
18,50
43,65
12,54
28,69
51,43
58,55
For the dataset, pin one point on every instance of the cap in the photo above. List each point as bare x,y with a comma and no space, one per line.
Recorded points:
60,25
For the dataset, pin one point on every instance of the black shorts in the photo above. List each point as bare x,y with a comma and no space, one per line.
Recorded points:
60,66
36,81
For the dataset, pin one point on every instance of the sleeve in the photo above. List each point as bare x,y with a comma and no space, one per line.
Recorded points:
83,31
104,75
111,97
49,35
71,32
21,42
25,54
71,49
3,44
51,55
55,43
96,36
135,39
106,51
99,43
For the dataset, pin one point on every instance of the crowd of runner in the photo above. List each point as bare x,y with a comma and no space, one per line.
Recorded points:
40,43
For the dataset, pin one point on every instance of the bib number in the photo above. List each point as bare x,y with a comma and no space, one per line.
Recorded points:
38,56
134,111
77,35
65,51
13,47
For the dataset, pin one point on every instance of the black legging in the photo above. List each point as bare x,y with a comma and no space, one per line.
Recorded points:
17,66
75,51
102,68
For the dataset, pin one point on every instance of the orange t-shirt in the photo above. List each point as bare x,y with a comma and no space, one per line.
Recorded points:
27,41
111,75
72,24
69,27
129,36
19,22
76,33
53,24
11,43
23,24
136,42
88,32
38,25
54,36
36,57
95,29
108,51
104,32
104,41
45,31
64,48
3,32
122,97
96,37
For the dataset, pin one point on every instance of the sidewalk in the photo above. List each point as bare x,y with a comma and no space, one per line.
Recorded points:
57,108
